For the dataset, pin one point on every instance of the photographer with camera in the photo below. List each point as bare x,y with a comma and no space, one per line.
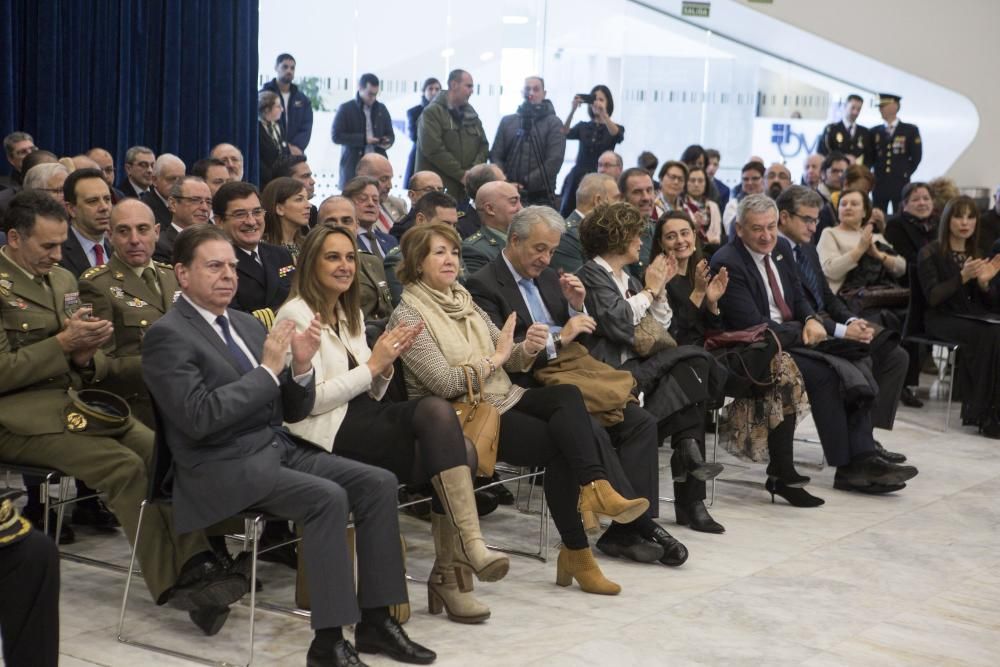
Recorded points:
530,146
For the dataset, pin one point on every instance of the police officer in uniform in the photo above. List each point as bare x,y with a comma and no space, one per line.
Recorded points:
131,291
846,136
897,153
50,349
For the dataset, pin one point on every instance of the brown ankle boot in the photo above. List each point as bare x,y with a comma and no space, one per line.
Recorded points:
579,564
599,497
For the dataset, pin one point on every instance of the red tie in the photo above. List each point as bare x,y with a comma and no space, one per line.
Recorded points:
779,301
99,254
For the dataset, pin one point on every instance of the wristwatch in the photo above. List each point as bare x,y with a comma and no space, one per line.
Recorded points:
557,341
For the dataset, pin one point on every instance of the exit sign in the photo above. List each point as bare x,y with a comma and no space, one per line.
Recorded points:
696,9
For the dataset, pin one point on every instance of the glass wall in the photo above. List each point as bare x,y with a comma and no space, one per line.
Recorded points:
674,83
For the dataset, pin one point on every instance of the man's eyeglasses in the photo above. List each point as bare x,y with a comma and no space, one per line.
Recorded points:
806,219
429,188
243,215
195,201
142,165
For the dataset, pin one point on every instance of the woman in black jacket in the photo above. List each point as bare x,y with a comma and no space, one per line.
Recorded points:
430,90
271,142
961,292
679,383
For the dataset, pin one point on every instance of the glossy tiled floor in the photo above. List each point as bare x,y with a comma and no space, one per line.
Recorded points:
909,579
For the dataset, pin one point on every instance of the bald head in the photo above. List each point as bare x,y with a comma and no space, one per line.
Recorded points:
339,211
421,183
496,203
379,168
133,232
84,162
596,189
105,162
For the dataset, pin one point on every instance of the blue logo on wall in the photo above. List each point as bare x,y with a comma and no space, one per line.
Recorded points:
790,144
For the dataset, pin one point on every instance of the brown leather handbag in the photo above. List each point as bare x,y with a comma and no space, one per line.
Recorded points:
651,337
480,423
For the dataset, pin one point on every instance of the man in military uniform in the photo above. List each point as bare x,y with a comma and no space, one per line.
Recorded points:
496,203
594,189
131,291
846,136
433,207
897,153
50,349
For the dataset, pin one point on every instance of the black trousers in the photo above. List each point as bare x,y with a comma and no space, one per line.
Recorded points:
550,427
29,613
632,445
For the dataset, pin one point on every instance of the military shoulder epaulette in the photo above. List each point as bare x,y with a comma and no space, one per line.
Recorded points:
475,237
93,272
394,250
164,265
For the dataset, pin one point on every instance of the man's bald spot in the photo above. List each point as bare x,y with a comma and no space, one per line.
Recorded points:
371,163
490,192
98,154
424,179
131,208
219,147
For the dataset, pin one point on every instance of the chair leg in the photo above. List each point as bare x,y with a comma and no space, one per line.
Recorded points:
715,452
61,512
257,526
951,387
131,570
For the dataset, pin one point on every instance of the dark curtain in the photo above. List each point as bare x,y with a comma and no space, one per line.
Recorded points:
178,76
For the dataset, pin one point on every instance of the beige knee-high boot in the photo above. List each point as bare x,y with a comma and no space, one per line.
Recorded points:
454,489
443,591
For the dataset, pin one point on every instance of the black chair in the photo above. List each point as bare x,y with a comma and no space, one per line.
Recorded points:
914,332
160,492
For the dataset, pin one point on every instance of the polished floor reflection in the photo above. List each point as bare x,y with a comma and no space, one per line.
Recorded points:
909,579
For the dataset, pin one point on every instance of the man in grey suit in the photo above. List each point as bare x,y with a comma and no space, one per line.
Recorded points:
222,387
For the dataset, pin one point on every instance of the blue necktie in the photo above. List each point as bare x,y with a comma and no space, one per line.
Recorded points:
244,363
535,305
809,277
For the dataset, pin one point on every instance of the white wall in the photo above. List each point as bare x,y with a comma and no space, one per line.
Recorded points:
955,44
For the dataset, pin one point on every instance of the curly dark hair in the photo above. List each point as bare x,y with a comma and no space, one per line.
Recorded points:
609,228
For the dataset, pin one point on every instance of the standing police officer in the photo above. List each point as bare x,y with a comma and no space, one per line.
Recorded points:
847,136
897,151
131,291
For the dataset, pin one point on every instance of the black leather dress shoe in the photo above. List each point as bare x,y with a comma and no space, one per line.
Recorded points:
207,584
242,565
209,619
388,637
95,514
696,516
909,399
876,470
674,553
842,484
891,457
341,655
627,543
66,535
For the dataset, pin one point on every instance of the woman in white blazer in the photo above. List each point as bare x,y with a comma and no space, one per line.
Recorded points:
416,439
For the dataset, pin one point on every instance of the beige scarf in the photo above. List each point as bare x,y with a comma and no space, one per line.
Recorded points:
460,332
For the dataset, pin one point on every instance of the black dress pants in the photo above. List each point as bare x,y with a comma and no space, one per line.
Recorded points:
29,612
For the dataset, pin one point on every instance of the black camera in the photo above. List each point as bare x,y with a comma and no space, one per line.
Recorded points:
586,98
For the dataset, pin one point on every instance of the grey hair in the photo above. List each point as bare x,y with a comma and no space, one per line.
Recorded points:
478,176
592,185
13,138
177,189
798,196
753,204
618,158
135,151
164,160
525,219
38,177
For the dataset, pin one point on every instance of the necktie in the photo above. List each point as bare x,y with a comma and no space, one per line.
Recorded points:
240,357
809,277
779,301
255,257
373,244
535,305
149,277
99,254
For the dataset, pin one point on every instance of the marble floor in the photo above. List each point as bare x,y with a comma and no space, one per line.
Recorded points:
907,579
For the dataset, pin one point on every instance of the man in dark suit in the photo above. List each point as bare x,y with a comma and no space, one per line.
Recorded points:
362,125
138,171
764,288
222,387
265,271
88,201
167,170
846,136
896,154
798,209
363,192
520,281
190,203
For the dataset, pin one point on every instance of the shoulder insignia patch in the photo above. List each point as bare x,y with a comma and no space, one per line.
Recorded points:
94,271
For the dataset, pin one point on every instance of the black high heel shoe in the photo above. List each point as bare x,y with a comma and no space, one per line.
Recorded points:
796,497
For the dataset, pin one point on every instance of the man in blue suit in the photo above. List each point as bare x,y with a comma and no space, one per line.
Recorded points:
764,287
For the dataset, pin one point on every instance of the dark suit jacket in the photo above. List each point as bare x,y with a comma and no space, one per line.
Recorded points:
164,251
160,211
269,151
127,189
263,286
836,138
495,290
895,157
941,282
831,307
220,424
907,238
349,131
74,258
745,302
989,231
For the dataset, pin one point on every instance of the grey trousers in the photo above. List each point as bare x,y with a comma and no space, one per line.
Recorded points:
318,491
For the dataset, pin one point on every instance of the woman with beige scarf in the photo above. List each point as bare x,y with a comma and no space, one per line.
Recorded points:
547,426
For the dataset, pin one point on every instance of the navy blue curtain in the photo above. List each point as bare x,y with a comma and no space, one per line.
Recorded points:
178,76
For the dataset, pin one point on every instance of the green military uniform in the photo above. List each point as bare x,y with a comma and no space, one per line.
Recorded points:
568,255
37,428
482,248
450,147
376,302
131,305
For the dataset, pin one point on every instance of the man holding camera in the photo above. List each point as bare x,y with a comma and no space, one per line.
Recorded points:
530,146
